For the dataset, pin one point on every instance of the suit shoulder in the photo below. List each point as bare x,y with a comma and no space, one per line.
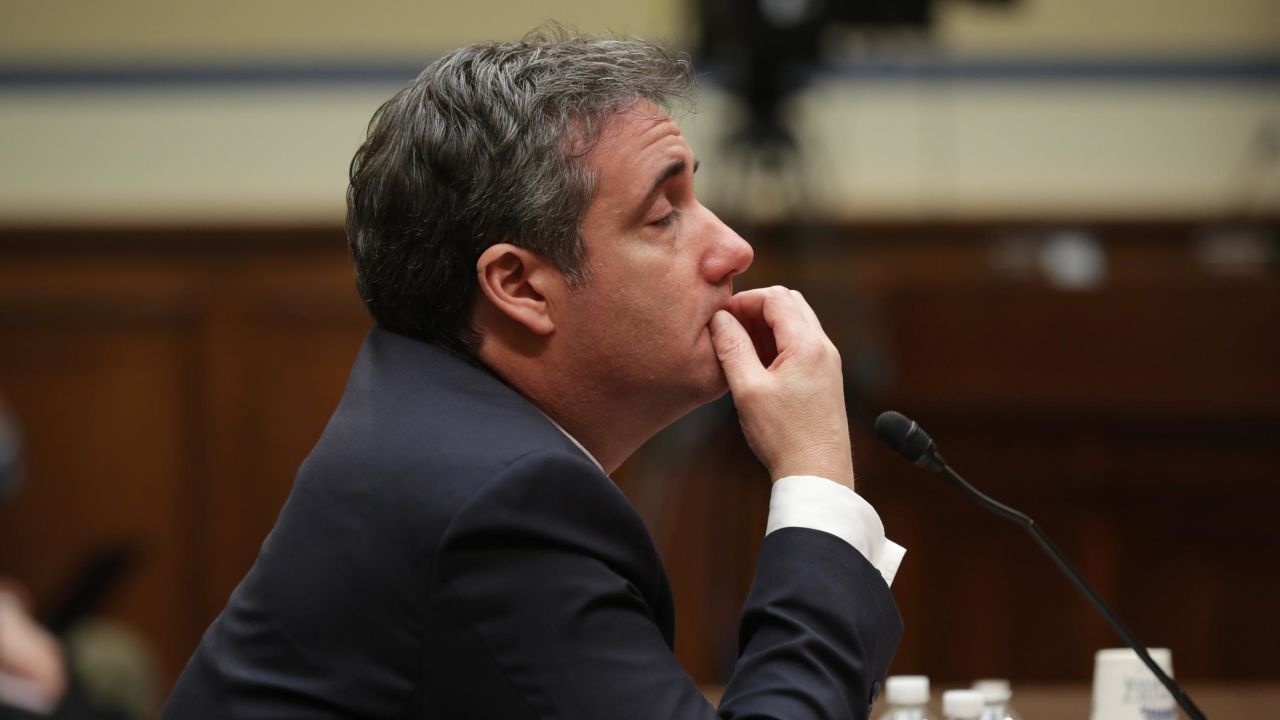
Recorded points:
553,504
417,433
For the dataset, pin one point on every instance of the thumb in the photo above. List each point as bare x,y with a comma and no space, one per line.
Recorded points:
734,348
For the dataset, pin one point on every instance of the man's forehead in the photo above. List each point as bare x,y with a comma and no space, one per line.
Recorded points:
637,127
636,142
647,113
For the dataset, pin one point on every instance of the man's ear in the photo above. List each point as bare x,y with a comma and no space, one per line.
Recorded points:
516,282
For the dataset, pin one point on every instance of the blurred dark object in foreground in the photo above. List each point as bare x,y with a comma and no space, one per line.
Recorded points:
91,587
10,455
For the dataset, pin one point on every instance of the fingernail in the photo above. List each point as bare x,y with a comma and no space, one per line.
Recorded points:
718,320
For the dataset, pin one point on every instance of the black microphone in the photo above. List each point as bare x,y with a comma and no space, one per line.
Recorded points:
909,440
906,438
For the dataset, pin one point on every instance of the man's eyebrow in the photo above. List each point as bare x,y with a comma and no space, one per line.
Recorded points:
673,169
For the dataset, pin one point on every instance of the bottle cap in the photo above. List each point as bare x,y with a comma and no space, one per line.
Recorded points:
907,690
994,690
962,704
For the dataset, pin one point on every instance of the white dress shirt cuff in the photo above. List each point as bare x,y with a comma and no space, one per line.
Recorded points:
816,503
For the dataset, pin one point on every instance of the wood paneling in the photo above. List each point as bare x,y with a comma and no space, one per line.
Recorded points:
167,388
169,382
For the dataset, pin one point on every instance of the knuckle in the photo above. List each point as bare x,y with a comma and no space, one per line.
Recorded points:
831,353
823,351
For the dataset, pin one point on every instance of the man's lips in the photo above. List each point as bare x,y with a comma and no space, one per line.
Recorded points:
706,324
722,305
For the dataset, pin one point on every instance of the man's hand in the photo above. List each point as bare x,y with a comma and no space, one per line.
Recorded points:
31,664
785,377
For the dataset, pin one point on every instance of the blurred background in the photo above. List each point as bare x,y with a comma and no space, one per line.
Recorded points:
1049,230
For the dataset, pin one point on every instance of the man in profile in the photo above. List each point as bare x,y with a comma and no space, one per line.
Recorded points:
549,294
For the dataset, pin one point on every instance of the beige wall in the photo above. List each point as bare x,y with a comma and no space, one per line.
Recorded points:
1115,27
1009,150
278,153
235,30
61,31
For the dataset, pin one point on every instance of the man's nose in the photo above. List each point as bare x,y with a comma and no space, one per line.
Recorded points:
728,255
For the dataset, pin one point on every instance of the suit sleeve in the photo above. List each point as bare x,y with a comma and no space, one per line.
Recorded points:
552,569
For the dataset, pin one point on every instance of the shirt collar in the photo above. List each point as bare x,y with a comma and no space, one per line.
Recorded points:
574,440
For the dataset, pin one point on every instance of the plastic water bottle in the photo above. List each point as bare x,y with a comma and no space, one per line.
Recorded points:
908,697
962,704
997,696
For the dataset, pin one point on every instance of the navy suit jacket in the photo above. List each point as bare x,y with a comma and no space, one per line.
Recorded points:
446,552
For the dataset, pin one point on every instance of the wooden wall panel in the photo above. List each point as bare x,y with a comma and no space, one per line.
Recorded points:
104,398
170,382
1140,427
283,335
167,394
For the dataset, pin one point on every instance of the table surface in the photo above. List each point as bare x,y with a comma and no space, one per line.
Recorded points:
1219,701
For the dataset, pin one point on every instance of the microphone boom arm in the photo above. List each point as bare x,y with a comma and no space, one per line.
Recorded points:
1179,695
909,440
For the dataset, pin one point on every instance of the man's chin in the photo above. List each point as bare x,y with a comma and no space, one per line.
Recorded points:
712,385
705,381
695,397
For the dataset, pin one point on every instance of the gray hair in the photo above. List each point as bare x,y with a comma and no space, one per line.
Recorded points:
486,146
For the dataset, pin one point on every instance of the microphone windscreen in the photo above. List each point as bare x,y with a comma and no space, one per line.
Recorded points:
903,435
893,428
